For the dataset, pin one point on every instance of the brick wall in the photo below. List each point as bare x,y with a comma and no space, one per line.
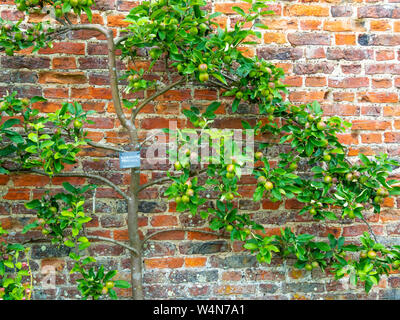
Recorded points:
345,54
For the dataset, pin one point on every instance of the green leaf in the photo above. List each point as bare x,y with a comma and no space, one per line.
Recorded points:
69,187
69,243
74,256
37,98
239,10
33,204
309,148
84,245
122,284
235,105
350,247
16,247
89,13
31,149
110,275
66,7
7,150
9,123
322,246
113,294
33,137
212,108
29,227
250,246
364,159
219,76
368,285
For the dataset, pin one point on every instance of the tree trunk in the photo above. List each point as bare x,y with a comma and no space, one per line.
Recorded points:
134,239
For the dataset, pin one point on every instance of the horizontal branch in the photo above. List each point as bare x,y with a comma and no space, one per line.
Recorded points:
83,175
89,237
71,27
148,237
104,146
115,242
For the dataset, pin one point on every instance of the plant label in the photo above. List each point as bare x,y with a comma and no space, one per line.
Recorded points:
129,159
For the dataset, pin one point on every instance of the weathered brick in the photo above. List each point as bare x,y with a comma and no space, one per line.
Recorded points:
183,276
348,54
348,82
20,62
299,39
62,77
308,68
377,11
280,53
341,11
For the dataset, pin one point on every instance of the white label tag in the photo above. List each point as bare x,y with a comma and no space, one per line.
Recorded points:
129,159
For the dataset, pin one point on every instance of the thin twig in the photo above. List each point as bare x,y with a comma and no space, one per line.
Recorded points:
121,39
163,180
369,228
219,84
61,21
67,19
154,96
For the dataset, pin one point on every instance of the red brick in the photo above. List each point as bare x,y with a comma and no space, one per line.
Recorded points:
170,263
195,262
370,125
17,194
26,180
316,81
371,138
227,7
345,39
64,63
62,77
65,47
378,97
163,221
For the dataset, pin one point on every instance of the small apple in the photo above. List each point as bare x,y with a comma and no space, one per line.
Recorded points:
261,180
268,185
177,165
328,179
371,254
258,155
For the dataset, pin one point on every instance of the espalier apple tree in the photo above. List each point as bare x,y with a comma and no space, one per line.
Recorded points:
313,169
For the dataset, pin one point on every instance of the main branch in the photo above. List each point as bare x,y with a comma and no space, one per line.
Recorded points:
76,174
